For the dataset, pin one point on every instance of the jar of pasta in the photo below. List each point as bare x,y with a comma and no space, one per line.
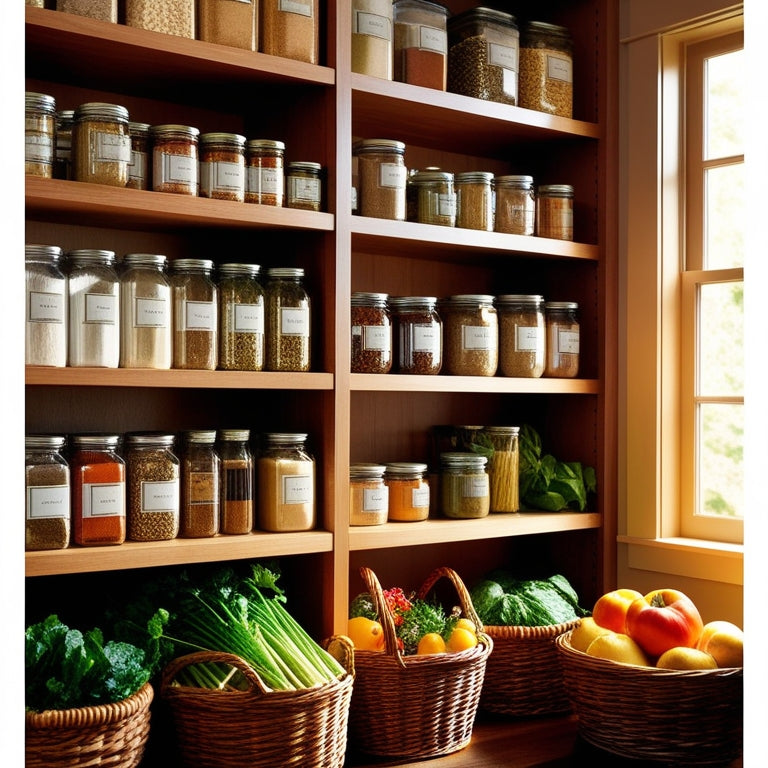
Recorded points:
288,309
421,43
200,479
372,38
195,314
474,200
39,134
241,318
175,159
222,166
371,333
46,308
464,485
303,185
434,197
47,483
522,337
562,339
101,144
382,178
515,205
291,29
554,211
237,481
546,68
408,491
503,466
471,335
368,495
264,174
417,334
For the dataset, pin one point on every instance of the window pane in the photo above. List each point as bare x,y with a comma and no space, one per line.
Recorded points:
725,78
721,339
726,219
720,453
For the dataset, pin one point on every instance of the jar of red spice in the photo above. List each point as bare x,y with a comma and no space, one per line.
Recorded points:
421,43
264,174
371,333
98,491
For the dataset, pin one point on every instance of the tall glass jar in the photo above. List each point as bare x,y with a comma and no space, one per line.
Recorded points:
47,483
421,43
515,205
229,23
94,309
288,311
154,482
464,485
39,134
62,163
522,336
241,318
372,38
371,333
101,144
286,482
145,312
222,166
200,477
503,468
474,200
171,17
98,491
434,197
237,480
554,211
46,309
408,491
195,314
138,169
264,172
303,185
103,10
382,178
546,68
471,334
291,29
175,155
563,338
368,495
418,334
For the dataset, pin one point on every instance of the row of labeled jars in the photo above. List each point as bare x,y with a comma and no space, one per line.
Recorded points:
147,313
155,486
481,52
290,30
516,335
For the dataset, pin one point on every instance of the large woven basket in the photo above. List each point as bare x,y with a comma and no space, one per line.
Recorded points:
257,727
680,717
102,736
523,677
416,706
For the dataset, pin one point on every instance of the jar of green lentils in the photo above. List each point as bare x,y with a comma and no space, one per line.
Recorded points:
434,197
241,318
288,336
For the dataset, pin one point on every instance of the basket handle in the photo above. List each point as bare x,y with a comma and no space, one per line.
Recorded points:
386,619
465,601
201,657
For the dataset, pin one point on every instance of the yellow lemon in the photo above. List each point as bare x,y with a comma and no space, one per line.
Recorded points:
460,639
432,642
365,634
681,657
618,647
724,641
587,630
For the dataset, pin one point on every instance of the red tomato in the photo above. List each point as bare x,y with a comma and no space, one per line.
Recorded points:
610,610
664,619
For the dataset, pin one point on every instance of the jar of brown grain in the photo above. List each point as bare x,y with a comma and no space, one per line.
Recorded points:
371,333
47,484
264,174
563,339
39,134
291,29
474,200
417,334
195,314
288,320
101,144
515,205
546,68
175,159
522,338
434,197
200,477
471,334
229,23
383,175
222,166
237,481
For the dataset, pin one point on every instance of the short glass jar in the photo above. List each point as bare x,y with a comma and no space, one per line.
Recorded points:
291,29
368,495
62,163
546,68
554,211
408,491
563,339
471,335
382,178
303,185
172,17
515,205
264,172
241,318
417,334
433,196
464,485
39,134
101,145
200,477
475,200
138,169
372,38
195,314
229,23
175,156
222,166
288,317
421,43
286,483
46,309
47,483
503,468
94,309
237,481
522,335
103,10
371,333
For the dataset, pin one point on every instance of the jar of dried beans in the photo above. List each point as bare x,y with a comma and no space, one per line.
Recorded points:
562,339
464,485
372,38
101,145
222,166
291,29
241,318
303,185
47,480
382,177
39,134
98,491
138,169
503,468
237,481
172,17
515,205
546,68
264,174
471,334
195,314
288,315
368,495
371,333
522,337
474,200
153,490
418,334
62,164
200,476
175,159
434,199
286,482
421,43
554,211
408,491
46,306
229,23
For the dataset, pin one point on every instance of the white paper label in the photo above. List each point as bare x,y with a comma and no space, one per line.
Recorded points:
392,175
159,495
372,25
111,147
425,338
376,338
151,313
559,68
101,309
46,307
297,489
294,321
477,337
249,318
568,342
529,338
199,316
375,499
47,501
103,499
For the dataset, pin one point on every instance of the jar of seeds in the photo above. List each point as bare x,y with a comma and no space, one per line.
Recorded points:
522,335
464,485
62,164
195,314
229,23
200,475
434,197
222,166
546,68
288,314
562,339
264,173
418,334
408,491
138,169
503,468
101,145
372,38
371,333
382,177
175,159
554,211
471,335
46,308
303,186
172,17
39,134
421,43
47,493
474,200
241,318
515,205
291,29
153,472
237,479
368,495
103,10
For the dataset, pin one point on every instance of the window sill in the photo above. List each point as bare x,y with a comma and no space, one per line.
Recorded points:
694,558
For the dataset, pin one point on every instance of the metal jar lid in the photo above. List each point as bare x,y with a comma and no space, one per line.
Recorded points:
149,440
462,460
109,442
285,272
517,181
502,430
305,165
379,145
91,256
431,177
473,299
202,436
238,270
366,471
396,468
40,101
191,265
227,139
560,305
144,260
98,110
363,299
555,190
474,177
234,435
138,129
254,145
534,300
412,302
273,439
33,252
171,129
50,442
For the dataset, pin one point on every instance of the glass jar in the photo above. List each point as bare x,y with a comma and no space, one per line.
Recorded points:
222,166
382,178
264,173
98,491
418,334
175,159
371,333
303,186
522,337
103,10
241,318
434,197
562,339
368,496
237,479
101,146
471,333
195,314
291,29
515,205
288,311
421,43
94,309
145,312
39,134
483,55
46,306
200,474
62,163
138,169
474,200
229,23
153,471
47,481
464,485
503,468
286,481
372,38
172,17
554,211
408,491
546,68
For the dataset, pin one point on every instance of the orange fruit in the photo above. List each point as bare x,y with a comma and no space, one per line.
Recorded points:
432,642
465,623
587,630
365,634
461,639
618,647
724,641
682,657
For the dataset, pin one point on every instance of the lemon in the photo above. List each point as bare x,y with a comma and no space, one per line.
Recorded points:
460,639
432,642
365,634
618,647
587,630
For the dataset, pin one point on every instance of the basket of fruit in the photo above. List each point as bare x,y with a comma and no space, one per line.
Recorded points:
418,670
657,684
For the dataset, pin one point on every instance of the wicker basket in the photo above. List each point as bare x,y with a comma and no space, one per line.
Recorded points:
523,677
690,717
259,728
104,735
416,706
